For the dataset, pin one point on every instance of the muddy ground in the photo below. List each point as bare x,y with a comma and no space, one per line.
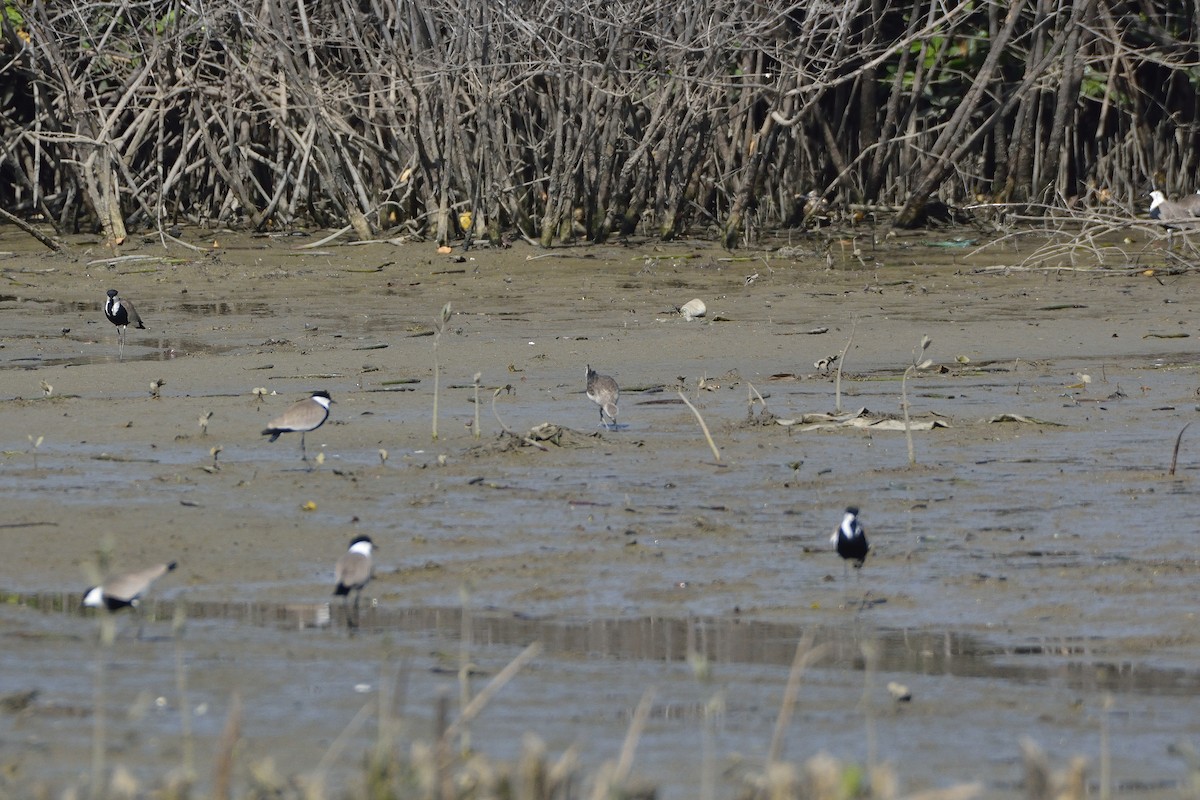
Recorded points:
1032,575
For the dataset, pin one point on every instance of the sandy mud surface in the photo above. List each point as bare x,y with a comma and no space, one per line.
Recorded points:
1034,574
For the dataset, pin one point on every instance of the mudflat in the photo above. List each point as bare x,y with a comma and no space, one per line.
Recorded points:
1034,562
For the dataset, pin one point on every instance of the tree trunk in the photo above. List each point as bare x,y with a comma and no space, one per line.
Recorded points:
762,144
956,128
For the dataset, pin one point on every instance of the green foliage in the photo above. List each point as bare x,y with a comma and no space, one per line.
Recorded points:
164,23
12,15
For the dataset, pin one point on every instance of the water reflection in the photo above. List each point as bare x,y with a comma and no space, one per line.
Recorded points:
161,349
223,308
1077,664
200,308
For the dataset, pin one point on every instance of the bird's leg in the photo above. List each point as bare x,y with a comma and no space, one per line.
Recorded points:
303,452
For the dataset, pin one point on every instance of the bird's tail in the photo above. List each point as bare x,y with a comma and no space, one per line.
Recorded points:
274,434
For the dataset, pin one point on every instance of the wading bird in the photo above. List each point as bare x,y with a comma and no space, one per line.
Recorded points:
353,572
603,391
122,314
302,417
851,540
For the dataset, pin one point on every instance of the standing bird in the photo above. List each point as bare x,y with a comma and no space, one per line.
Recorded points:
122,314
603,391
353,572
124,591
304,416
851,540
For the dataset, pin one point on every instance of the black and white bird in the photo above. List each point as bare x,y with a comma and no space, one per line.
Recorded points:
302,417
122,314
603,391
353,570
851,539
124,591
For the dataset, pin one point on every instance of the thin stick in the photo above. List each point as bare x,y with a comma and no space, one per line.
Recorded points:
1175,454
1105,749
707,436
464,664
629,747
477,432
496,413
751,394
166,237
837,380
185,708
912,454
99,712
916,366
442,727
870,651
480,701
805,655
612,775
334,752
32,231
230,735
437,367
326,240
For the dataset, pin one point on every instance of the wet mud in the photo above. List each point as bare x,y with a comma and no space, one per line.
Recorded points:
1033,574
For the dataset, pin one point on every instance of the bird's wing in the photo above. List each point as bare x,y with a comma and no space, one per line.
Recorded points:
132,584
134,318
352,569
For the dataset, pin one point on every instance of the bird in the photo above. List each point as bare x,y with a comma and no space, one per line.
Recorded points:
1167,211
603,391
851,539
124,591
1191,203
302,417
122,314
353,570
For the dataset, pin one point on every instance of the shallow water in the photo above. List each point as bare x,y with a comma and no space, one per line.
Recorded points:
585,685
1022,572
